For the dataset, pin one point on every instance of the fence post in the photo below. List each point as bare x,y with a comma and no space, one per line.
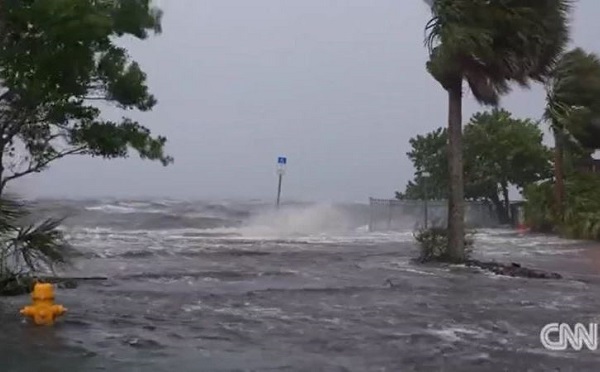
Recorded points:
370,214
389,214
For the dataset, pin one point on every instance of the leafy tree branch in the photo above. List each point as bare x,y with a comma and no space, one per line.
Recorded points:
58,59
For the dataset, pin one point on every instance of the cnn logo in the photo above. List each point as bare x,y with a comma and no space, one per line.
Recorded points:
559,336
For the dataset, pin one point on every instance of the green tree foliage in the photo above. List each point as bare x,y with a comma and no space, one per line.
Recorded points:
59,60
499,152
581,219
428,154
488,44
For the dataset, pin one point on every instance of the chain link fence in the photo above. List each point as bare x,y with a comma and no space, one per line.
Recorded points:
401,215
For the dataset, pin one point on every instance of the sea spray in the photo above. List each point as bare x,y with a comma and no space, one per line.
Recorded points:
300,221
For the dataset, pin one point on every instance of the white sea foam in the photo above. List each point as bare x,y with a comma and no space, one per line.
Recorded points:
125,207
111,208
455,334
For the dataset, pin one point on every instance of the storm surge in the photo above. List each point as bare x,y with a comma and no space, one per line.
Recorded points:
229,285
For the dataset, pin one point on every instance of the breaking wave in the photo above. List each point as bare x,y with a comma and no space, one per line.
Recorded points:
243,219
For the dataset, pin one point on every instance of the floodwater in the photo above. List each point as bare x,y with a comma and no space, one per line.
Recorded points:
237,287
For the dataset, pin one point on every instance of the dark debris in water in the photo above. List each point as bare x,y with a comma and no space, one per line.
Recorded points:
513,269
19,285
139,254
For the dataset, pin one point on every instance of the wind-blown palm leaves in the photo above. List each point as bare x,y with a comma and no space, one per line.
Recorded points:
489,44
28,249
573,98
573,111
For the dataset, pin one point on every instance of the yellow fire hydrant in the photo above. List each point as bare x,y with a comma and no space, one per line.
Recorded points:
43,311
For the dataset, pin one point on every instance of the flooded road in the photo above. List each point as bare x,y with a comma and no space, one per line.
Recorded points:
233,287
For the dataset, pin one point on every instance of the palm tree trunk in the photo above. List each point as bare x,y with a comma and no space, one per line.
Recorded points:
559,176
506,202
2,183
456,201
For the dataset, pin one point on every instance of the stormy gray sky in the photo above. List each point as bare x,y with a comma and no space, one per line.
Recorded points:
338,86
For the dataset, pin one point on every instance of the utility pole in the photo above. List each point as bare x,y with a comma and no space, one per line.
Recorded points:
281,163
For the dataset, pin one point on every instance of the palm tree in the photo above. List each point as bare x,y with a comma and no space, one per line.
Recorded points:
489,44
573,109
26,250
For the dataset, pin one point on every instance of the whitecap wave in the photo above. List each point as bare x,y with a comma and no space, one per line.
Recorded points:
125,207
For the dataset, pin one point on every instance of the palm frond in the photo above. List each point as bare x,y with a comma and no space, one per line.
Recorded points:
41,246
29,248
11,211
498,42
573,98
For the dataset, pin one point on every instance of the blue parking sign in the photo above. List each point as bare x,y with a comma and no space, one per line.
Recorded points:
282,160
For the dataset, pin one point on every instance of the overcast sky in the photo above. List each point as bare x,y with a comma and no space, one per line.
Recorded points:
337,86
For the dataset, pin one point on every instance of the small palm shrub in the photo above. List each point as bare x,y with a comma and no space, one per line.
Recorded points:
433,244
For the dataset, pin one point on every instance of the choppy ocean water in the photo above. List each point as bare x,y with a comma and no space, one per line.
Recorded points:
239,286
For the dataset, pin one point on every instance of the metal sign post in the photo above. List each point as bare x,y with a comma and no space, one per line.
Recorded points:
281,163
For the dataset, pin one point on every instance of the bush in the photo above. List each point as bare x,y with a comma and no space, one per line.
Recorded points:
540,214
433,243
27,249
581,219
